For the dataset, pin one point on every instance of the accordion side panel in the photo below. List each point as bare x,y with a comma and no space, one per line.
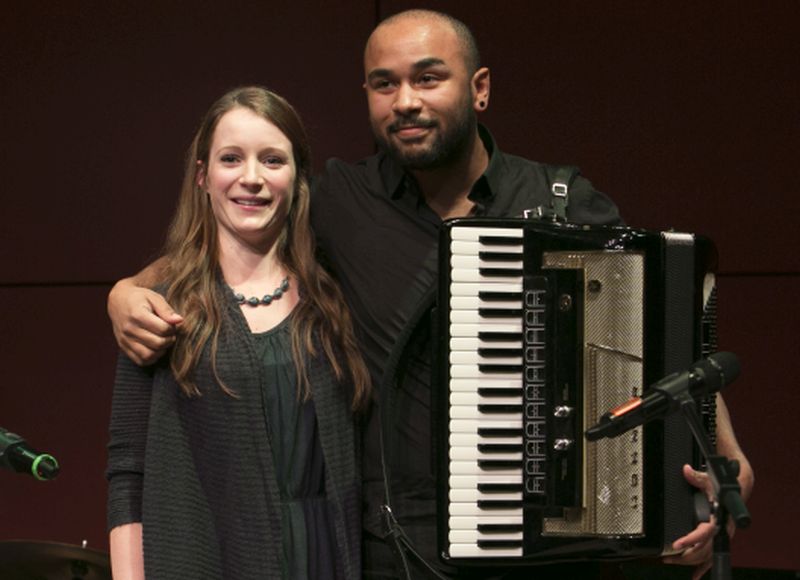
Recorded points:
612,330
681,323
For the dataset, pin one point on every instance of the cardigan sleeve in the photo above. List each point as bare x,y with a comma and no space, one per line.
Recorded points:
130,411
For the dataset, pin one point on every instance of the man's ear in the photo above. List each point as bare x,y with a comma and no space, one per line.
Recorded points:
481,84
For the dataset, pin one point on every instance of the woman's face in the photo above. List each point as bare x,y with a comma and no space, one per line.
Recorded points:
249,178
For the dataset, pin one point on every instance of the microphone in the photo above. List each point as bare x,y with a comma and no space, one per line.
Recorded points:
17,456
703,377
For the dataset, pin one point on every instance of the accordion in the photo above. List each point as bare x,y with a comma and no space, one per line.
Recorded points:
541,328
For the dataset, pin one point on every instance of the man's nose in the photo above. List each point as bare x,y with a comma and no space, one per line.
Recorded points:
406,99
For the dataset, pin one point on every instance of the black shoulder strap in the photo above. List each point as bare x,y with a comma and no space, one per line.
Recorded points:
560,190
560,182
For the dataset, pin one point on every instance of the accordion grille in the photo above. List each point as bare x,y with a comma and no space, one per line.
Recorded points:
612,330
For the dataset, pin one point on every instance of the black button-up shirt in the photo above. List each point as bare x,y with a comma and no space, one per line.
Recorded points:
381,240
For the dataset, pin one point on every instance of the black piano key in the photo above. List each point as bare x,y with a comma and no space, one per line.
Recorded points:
500,447
499,241
501,272
499,487
500,336
490,464
490,432
499,352
499,409
502,392
499,504
499,544
500,528
500,256
515,313
500,369
500,296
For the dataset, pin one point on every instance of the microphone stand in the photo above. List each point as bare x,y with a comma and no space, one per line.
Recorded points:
727,492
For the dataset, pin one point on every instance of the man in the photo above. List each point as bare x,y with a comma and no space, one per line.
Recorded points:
378,224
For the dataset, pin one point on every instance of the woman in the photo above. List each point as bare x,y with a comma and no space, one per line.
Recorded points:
234,457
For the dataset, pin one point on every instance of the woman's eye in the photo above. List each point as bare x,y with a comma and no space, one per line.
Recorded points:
228,158
273,161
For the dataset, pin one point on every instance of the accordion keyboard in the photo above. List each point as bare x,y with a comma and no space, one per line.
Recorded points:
486,393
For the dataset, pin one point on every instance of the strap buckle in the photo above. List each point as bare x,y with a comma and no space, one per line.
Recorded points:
559,189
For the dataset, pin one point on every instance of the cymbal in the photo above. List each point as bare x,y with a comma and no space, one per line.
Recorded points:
31,560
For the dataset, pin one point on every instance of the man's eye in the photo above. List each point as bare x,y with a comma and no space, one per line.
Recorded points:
382,85
428,79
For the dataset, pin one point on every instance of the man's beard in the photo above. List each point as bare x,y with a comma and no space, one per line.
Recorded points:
447,146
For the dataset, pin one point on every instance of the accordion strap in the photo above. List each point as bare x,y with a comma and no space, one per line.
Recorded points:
559,190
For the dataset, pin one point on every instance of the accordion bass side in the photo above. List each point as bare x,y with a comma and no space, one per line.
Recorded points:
542,328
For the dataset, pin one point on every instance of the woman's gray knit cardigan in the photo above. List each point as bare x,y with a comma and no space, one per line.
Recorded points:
198,472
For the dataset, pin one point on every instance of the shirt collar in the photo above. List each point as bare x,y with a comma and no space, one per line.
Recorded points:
397,182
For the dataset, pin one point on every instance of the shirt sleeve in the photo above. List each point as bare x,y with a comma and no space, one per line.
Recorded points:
130,411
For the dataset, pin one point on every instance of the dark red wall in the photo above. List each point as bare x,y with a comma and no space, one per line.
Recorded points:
686,114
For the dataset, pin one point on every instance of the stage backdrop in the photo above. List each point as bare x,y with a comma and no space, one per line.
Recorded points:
686,114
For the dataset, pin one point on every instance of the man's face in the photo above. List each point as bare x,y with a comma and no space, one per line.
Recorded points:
419,92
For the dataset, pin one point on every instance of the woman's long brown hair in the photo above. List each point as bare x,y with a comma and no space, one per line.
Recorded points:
320,320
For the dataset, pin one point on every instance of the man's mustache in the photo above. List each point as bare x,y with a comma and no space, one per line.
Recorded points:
416,122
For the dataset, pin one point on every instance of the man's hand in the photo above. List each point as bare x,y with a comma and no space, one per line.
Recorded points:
698,544
144,324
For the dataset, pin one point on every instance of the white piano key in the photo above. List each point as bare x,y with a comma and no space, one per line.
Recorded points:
474,343
474,399
473,535
473,275
473,551
472,371
474,383
470,508
474,303
471,523
468,248
472,481
476,232
472,454
470,412
473,495
466,357
494,326
471,261
464,439
471,425
471,468
472,289
476,317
